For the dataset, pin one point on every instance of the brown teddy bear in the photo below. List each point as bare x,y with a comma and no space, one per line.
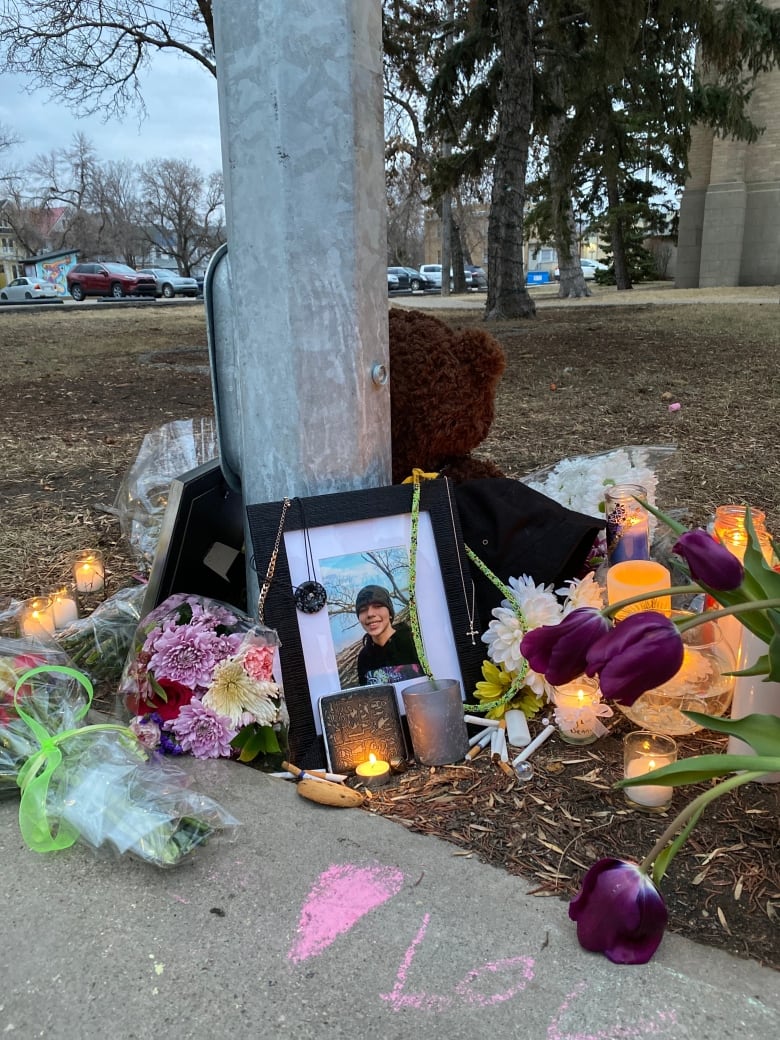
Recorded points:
442,396
442,404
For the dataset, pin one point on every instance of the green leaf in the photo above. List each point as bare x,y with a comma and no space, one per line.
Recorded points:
675,525
762,732
664,858
705,767
158,690
256,740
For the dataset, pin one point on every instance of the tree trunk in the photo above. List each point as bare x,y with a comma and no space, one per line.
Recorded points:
456,255
564,229
616,237
507,295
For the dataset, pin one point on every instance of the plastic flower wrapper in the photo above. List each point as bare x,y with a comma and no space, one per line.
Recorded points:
579,482
98,784
53,701
99,644
200,676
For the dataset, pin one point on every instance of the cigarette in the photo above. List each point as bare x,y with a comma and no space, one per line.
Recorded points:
299,776
478,736
335,778
475,720
535,743
506,768
495,742
483,742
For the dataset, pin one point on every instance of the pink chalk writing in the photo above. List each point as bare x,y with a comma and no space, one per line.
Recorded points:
666,1019
464,992
339,898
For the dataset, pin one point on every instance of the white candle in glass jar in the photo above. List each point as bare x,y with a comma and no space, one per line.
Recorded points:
88,571
645,752
647,794
64,609
36,617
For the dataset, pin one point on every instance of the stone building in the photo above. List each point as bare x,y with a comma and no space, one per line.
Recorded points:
729,231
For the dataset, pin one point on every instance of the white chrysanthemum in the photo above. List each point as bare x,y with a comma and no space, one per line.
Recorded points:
233,692
503,639
579,483
536,682
585,592
537,602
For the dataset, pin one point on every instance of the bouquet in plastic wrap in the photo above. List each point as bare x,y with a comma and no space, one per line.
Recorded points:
200,679
96,784
99,643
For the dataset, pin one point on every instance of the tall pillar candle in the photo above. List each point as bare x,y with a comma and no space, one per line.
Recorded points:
753,696
637,577
434,711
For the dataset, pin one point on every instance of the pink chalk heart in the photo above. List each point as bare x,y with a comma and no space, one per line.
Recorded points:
340,897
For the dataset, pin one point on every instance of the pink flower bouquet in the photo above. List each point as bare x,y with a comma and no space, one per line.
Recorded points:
199,679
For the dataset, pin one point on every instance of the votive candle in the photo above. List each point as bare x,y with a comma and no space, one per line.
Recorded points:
578,705
434,711
644,752
88,571
628,523
36,617
374,772
64,608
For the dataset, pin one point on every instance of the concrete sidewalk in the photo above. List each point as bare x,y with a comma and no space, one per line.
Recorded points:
331,923
645,294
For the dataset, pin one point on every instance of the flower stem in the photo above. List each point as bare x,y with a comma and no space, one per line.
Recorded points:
736,609
692,809
675,590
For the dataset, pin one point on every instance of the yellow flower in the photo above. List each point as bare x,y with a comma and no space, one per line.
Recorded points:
494,686
233,692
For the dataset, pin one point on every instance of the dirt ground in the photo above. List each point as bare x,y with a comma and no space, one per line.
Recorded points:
81,386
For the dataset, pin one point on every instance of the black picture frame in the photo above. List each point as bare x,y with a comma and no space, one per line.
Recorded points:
460,628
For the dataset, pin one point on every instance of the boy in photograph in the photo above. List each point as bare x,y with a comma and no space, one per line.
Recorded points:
388,653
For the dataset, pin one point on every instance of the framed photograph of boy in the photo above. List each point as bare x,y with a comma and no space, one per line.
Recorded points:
356,546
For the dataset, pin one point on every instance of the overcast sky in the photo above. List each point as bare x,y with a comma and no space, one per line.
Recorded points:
182,119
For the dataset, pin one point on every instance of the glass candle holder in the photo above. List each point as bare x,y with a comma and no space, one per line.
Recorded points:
578,705
36,617
642,753
635,578
628,523
89,571
701,684
434,711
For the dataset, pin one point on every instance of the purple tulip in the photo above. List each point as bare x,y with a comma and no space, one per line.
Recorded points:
619,912
639,654
710,563
559,652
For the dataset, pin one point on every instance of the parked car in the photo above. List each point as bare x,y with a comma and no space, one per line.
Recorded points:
171,283
418,280
589,268
392,282
21,289
478,277
433,273
108,279
404,282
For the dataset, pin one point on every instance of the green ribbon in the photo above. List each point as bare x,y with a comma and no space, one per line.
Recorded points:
414,617
36,773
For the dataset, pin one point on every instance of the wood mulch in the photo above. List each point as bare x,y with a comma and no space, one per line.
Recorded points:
549,830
